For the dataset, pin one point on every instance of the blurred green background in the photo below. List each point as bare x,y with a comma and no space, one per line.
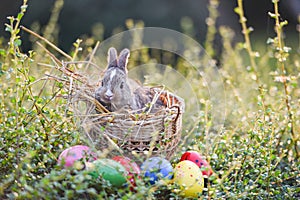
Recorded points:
89,17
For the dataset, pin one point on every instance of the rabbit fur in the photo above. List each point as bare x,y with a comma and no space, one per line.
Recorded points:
118,92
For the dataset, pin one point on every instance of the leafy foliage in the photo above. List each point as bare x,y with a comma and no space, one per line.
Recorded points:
256,155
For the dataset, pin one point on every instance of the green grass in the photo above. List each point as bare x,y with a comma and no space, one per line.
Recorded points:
254,156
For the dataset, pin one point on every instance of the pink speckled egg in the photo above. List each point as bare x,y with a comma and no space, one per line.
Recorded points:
76,153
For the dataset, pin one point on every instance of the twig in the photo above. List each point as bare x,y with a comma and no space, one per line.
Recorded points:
47,42
48,52
81,62
278,28
99,106
148,111
211,26
246,31
92,55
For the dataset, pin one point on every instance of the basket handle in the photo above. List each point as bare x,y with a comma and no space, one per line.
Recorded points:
178,112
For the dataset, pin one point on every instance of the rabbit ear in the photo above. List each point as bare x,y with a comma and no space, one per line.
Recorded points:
112,57
123,58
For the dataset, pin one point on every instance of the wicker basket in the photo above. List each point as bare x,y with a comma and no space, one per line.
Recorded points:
143,134
132,134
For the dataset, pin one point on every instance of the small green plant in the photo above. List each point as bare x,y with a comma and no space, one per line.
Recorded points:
33,123
282,54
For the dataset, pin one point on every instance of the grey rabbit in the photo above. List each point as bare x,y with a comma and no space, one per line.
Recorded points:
117,91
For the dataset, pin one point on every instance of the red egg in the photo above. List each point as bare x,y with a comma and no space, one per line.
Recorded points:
131,167
75,153
195,157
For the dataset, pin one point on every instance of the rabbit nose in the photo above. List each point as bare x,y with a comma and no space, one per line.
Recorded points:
109,95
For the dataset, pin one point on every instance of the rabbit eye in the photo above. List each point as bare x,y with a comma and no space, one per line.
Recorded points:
122,85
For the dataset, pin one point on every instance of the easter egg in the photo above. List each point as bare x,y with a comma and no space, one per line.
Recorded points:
157,168
189,177
131,167
195,157
76,153
108,169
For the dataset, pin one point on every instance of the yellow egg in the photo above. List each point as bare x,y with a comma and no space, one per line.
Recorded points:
189,177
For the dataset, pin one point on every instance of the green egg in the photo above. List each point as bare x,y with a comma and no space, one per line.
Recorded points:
109,170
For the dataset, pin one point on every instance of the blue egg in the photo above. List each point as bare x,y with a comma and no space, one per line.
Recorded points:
156,168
